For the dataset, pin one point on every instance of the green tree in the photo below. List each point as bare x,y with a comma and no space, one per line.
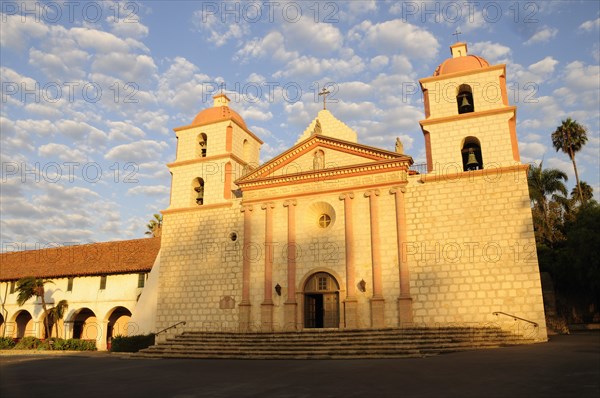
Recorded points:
29,287
57,313
155,226
545,185
570,137
587,192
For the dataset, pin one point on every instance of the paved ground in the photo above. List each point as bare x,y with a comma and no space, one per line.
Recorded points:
567,366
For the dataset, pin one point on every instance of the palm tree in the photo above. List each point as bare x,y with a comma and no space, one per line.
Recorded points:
155,226
33,287
570,137
587,192
57,313
545,184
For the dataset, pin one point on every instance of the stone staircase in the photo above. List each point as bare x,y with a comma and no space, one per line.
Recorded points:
331,344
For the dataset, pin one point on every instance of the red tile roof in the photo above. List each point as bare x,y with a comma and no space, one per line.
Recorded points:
118,257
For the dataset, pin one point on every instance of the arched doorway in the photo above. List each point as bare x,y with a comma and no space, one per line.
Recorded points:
321,301
85,325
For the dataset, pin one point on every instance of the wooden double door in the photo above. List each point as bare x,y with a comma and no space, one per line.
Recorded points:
321,302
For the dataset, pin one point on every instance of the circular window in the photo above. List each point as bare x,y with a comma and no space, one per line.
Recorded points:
233,236
324,220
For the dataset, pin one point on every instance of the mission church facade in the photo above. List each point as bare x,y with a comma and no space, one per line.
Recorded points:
336,234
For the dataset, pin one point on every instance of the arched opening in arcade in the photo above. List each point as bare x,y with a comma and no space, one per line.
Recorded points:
118,323
85,325
24,325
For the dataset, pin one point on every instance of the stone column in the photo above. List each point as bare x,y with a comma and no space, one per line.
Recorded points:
377,301
350,303
405,314
266,311
247,246
290,306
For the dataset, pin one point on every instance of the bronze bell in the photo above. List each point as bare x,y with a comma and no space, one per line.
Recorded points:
465,102
472,163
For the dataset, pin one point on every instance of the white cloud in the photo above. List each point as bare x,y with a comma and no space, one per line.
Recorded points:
16,32
138,151
220,31
493,52
321,38
542,36
272,45
396,37
150,190
133,68
124,131
590,25
378,62
125,27
545,67
61,152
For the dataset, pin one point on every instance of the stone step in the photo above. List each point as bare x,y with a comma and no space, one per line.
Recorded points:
331,344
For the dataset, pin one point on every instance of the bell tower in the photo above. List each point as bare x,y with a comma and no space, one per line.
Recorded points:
212,152
469,124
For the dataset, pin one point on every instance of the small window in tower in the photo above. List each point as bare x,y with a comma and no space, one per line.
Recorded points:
471,154
202,145
12,287
464,99
324,220
70,284
103,282
198,188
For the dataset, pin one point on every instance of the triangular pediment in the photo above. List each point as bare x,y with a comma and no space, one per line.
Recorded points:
319,153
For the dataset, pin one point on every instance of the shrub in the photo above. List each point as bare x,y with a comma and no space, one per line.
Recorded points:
131,343
73,345
6,343
28,343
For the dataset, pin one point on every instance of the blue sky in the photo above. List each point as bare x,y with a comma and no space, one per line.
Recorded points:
92,90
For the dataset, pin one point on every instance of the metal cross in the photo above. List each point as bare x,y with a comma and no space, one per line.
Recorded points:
324,93
456,34
222,86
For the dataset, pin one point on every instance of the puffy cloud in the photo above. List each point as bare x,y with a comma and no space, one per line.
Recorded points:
321,38
272,45
124,131
137,151
18,31
542,36
493,52
588,26
61,152
150,190
133,68
396,37
545,67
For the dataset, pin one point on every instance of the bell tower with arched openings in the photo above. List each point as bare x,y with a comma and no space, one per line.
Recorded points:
212,152
469,124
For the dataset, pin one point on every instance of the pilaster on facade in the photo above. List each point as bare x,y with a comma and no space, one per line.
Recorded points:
267,304
405,315
377,300
350,302
245,306
291,304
